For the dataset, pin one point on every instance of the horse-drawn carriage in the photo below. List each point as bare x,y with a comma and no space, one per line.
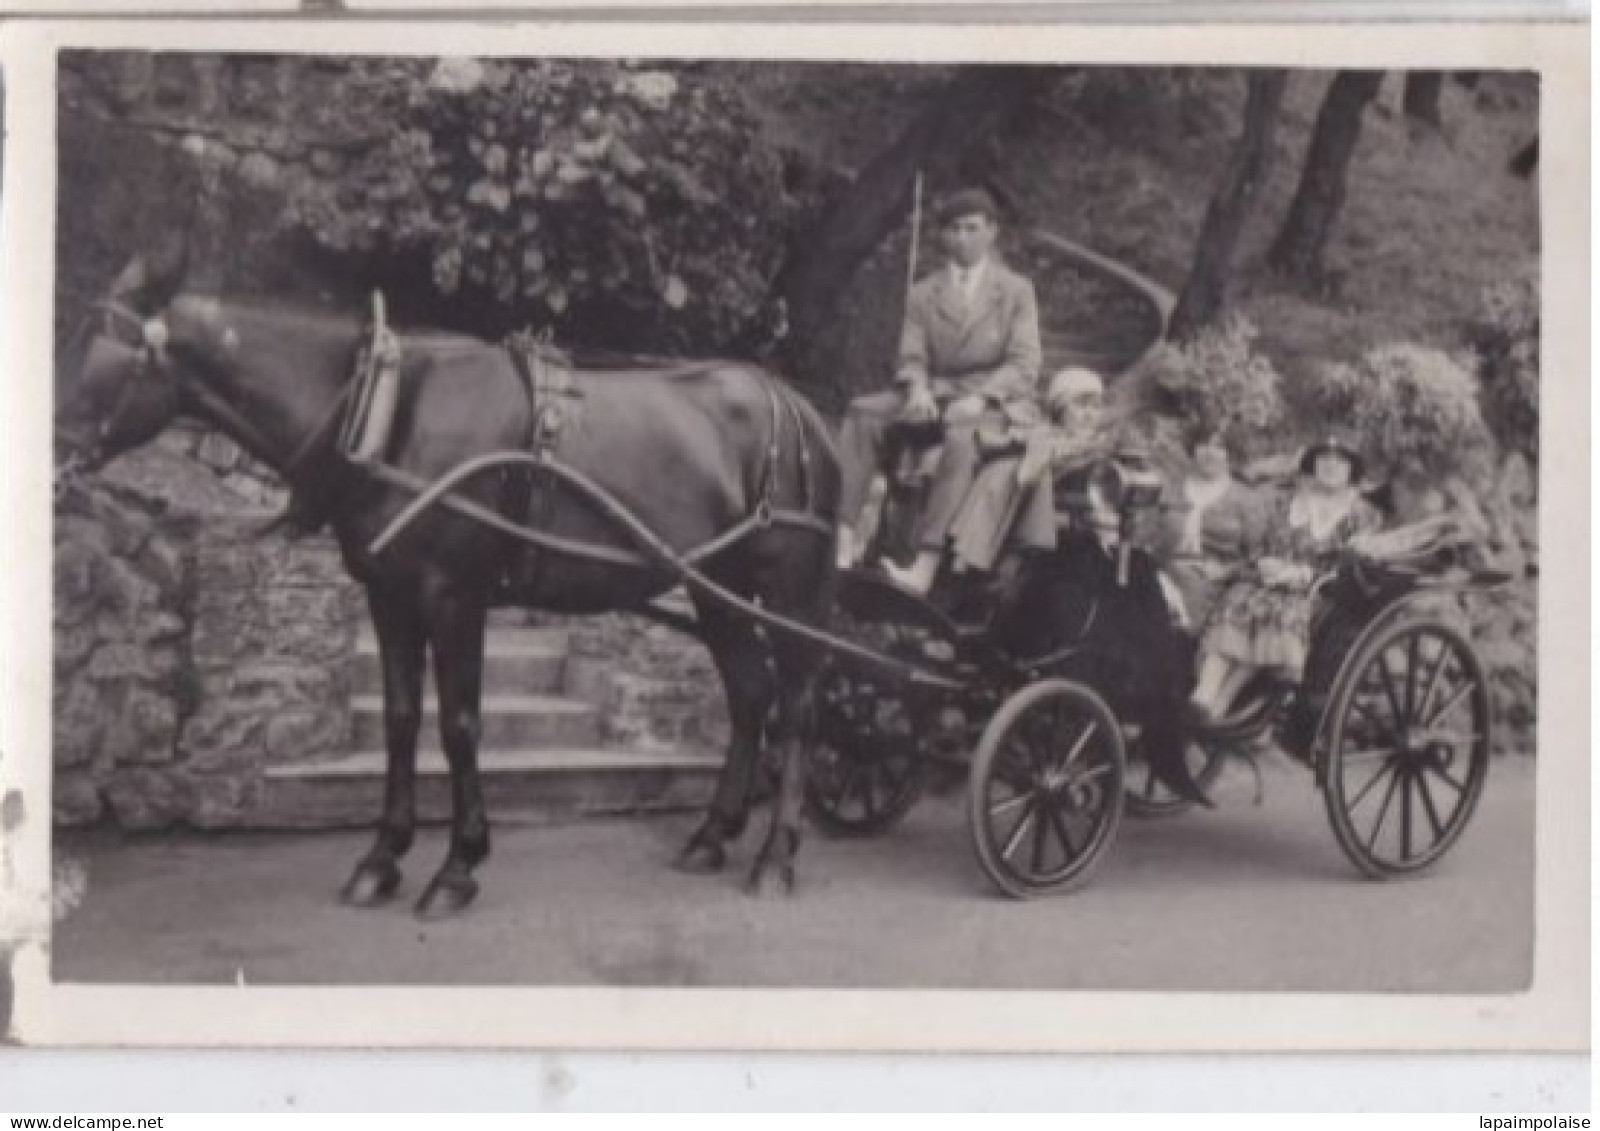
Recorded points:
1392,718
717,477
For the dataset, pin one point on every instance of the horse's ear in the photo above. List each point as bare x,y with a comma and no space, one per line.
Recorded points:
151,281
130,281
167,266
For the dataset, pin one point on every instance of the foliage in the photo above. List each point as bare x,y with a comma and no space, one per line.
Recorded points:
1218,382
1414,409
602,198
1506,337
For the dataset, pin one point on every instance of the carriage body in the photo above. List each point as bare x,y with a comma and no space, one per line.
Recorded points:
1392,718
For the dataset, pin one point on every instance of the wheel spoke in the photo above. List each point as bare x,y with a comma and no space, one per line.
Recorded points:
1149,790
1021,830
1455,739
1433,681
1440,771
1015,776
1009,804
869,797
1077,747
1389,691
1412,643
1405,814
1040,830
1383,812
848,787
1428,806
1451,704
1384,770
1368,754
1367,712
1092,774
1065,837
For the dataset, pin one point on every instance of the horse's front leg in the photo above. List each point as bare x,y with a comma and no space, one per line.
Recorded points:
402,654
456,631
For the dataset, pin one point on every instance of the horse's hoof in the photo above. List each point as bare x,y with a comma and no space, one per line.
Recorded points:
775,881
446,896
701,858
373,885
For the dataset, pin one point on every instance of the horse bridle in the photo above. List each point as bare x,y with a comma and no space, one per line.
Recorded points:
152,336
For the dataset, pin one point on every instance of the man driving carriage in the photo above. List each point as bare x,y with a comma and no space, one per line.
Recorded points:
969,357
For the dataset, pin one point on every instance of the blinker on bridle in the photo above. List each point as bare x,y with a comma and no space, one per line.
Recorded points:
150,336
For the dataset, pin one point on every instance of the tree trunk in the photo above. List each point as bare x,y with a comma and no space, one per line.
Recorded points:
1421,99
966,113
1297,252
1206,288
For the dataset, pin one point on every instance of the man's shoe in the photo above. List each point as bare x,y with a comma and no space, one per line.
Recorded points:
1199,714
848,552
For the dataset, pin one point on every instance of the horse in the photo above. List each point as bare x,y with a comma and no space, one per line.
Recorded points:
719,456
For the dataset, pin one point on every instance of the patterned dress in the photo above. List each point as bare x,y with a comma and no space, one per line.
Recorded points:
1263,625
1212,530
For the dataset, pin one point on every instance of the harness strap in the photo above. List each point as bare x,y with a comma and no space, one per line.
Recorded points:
659,552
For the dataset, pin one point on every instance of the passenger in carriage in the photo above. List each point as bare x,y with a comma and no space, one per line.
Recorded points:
1208,536
1012,501
1010,504
1263,620
969,355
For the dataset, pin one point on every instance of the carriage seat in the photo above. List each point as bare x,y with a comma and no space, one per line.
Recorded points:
1439,550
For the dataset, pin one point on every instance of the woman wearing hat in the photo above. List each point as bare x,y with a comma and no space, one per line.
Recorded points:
1011,501
1263,620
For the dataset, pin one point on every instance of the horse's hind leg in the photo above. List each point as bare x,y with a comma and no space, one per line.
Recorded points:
747,683
456,630
401,655
800,585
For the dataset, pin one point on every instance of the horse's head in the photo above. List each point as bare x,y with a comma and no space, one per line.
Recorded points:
129,384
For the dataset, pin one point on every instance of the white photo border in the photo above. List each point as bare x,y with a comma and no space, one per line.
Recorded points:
1552,1015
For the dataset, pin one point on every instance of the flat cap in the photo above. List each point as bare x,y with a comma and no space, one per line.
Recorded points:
967,202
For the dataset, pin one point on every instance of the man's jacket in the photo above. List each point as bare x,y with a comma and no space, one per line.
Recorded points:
987,345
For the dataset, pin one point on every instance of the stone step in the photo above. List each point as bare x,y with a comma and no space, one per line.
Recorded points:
515,660
509,722
539,785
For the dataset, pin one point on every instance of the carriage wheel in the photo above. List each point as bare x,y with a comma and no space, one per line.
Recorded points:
1047,788
1149,798
1408,747
870,763
866,770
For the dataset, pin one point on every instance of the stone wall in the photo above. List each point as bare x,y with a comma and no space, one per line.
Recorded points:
190,654
655,687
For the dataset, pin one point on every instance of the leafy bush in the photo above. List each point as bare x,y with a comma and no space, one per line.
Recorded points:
1215,382
1506,337
605,199
1415,409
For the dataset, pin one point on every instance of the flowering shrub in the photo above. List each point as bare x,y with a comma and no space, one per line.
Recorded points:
1414,409
605,199
1216,381
1507,340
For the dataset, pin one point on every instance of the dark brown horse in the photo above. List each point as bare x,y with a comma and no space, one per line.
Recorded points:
694,452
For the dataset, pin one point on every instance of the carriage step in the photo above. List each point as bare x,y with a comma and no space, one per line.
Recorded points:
515,660
509,722
520,785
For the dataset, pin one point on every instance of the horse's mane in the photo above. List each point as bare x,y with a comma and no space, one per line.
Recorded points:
341,322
